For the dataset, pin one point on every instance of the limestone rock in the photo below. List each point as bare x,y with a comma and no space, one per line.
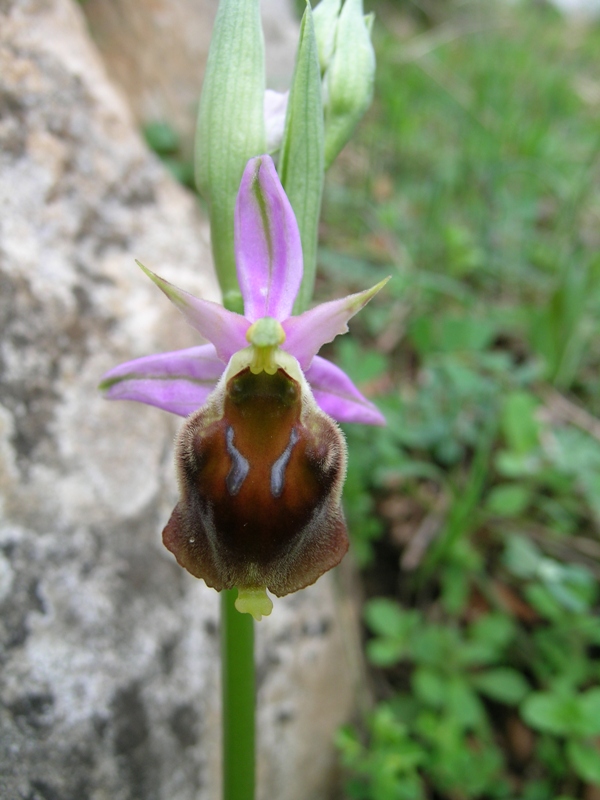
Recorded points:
156,50
109,666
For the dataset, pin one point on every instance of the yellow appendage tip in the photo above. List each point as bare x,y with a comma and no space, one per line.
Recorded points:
254,601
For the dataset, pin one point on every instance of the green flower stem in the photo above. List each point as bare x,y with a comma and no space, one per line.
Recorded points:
238,693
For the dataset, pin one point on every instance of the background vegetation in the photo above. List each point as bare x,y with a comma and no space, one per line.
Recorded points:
475,514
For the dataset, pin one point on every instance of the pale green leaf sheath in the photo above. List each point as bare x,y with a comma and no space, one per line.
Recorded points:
302,160
231,126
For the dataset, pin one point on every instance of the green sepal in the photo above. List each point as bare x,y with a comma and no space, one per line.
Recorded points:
231,125
325,17
349,79
302,161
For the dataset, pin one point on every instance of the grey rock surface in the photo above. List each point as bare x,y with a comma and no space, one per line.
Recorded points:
109,669
156,50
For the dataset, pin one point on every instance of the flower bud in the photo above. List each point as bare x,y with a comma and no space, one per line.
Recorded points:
260,471
349,78
325,17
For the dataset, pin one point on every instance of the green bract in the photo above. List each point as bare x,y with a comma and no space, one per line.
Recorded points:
302,158
231,126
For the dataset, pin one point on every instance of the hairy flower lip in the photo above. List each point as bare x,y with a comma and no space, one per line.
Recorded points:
260,470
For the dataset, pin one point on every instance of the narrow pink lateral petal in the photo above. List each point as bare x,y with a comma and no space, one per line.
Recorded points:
307,333
226,330
338,396
267,243
179,382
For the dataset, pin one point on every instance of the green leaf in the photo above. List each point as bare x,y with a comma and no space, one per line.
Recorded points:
465,333
162,138
429,686
386,618
508,500
543,602
521,557
537,790
496,630
456,587
302,159
590,712
585,760
231,124
463,255
543,712
572,585
347,742
385,652
436,646
578,454
517,465
361,363
451,333
463,705
519,425
557,713
503,684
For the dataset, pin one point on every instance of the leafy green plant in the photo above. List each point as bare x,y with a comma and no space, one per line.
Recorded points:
446,656
477,511
574,718
452,672
387,770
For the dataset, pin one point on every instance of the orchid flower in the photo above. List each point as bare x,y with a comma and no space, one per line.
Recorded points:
261,463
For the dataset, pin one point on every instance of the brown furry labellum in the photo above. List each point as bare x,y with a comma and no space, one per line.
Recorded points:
261,470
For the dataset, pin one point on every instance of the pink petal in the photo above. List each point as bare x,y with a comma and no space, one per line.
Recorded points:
338,396
307,333
179,382
267,243
226,330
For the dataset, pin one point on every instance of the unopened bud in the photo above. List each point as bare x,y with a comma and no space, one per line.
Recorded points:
325,17
349,78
